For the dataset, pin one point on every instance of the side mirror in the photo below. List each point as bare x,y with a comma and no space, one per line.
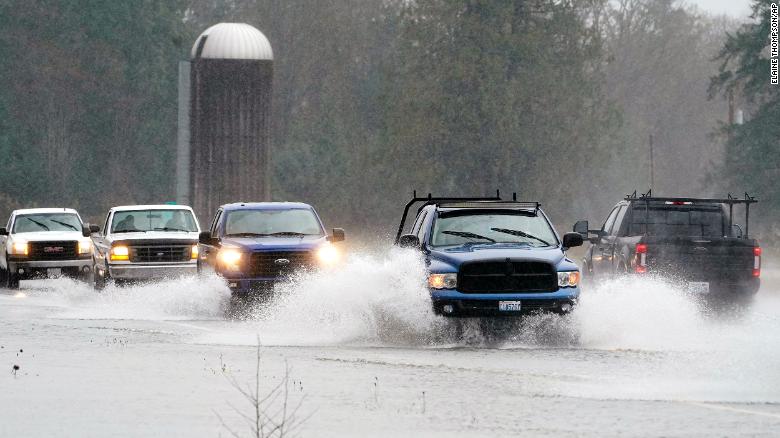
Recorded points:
570,240
85,230
3,231
409,241
736,231
581,228
205,237
598,235
337,236
94,229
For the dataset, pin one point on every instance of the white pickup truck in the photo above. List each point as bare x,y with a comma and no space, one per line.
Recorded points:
44,242
146,242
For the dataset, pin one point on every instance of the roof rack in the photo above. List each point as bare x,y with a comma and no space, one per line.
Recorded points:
647,197
463,202
731,201
492,204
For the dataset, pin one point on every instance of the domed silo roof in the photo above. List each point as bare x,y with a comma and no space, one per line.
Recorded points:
232,41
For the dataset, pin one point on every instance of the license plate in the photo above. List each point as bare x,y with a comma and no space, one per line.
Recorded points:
699,287
510,306
54,272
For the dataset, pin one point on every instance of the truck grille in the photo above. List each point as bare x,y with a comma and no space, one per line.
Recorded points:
160,253
67,250
272,263
507,277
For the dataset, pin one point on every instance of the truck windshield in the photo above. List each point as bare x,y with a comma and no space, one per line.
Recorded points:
459,227
133,221
272,223
29,223
690,221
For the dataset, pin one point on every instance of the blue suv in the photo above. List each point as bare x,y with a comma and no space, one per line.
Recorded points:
488,257
253,245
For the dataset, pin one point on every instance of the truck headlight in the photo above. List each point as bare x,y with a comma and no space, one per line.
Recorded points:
229,257
443,281
568,279
194,252
20,247
85,246
328,255
120,253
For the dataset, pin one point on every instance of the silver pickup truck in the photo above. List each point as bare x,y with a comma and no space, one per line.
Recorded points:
44,242
146,242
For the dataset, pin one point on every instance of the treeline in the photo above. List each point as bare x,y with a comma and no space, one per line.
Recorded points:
375,98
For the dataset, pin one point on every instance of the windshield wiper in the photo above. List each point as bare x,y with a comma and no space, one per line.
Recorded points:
64,223
38,223
520,234
247,235
129,231
289,233
170,229
467,235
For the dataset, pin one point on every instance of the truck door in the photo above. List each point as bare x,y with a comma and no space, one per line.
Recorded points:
601,255
614,243
210,251
99,240
3,240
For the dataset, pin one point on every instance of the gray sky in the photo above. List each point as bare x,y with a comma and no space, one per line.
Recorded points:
734,8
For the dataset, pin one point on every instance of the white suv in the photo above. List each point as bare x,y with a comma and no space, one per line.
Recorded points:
44,242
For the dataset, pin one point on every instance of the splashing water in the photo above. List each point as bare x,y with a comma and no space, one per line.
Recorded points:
369,298
633,313
380,299
183,298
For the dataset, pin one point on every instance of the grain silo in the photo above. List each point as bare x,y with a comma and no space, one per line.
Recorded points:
224,153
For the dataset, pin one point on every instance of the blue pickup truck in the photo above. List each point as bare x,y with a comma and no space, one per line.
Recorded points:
488,257
254,245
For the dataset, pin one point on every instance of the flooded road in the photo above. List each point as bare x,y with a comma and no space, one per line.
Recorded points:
364,356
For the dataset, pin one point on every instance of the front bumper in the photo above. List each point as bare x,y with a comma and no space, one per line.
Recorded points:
151,272
39,268
249,285
450,302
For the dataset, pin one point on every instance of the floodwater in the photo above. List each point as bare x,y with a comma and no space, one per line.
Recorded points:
360,354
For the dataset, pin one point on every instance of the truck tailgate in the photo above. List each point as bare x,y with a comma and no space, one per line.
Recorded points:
701,259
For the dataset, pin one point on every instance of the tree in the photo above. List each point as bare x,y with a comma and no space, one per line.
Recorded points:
498,94
751,161
89,101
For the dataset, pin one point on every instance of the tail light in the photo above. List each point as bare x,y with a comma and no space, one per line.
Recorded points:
757,261
641,258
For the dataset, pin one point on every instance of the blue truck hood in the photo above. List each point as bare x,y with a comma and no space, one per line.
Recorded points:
254,244
442,258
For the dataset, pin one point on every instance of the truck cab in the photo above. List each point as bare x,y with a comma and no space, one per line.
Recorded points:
145,242
488,257
44,242
693,242
253,245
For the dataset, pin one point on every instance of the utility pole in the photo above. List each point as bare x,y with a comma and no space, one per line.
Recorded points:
731,107
652,164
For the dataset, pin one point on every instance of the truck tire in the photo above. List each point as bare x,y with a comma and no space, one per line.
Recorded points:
623,270
99,280
85,277
11,280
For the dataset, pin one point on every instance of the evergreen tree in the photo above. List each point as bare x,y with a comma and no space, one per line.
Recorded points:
752,155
